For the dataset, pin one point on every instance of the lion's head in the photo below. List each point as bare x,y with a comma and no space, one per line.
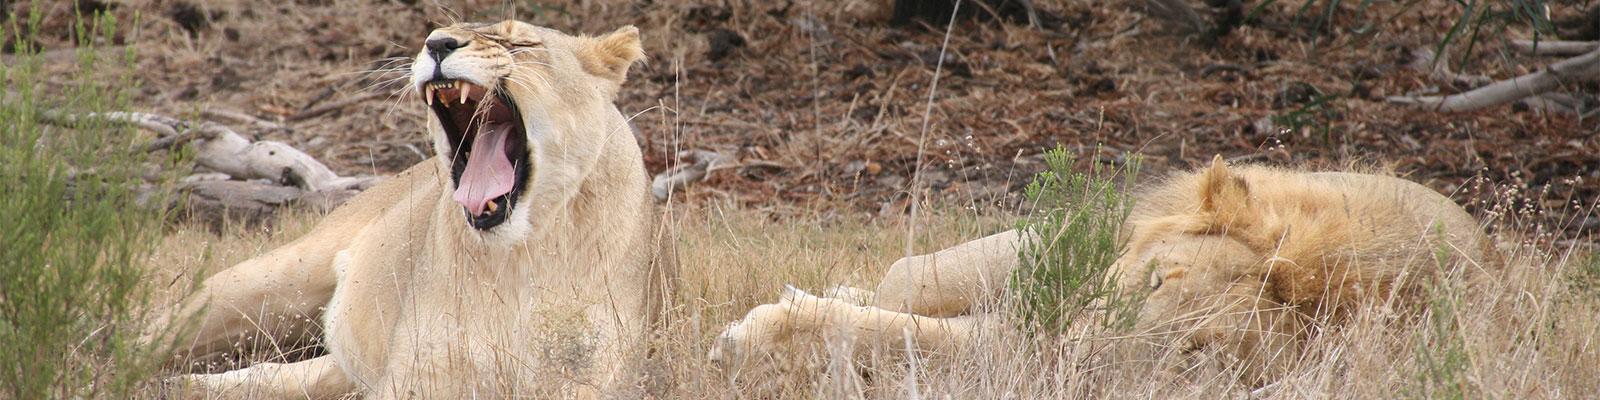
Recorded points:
1220,251
1246,261
520,111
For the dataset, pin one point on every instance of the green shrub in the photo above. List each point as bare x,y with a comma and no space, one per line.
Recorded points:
71,233
1076,235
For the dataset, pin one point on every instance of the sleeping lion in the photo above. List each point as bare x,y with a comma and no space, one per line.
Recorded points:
1238,259
525,260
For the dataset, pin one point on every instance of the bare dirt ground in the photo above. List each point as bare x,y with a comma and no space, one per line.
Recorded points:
827,106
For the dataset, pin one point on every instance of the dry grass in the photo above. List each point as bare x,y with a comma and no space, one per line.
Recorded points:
811,102
1529,332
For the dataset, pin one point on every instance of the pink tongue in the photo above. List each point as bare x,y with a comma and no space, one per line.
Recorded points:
489,174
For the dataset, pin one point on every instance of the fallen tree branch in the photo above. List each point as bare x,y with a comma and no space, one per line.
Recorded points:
297,177
1553,47
1580,68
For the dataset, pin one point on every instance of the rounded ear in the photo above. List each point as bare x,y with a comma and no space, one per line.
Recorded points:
1224,195
610,56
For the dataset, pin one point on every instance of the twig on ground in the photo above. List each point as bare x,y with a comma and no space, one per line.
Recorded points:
675,178
1580,68
1553,47
1437,66
161,125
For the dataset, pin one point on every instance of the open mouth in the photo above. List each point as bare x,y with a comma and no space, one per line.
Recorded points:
488,147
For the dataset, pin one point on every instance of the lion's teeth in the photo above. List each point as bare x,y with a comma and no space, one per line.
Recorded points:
493,206
427,95
465,89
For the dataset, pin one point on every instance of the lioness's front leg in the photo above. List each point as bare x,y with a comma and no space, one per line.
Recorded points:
271,300
276,297
317,378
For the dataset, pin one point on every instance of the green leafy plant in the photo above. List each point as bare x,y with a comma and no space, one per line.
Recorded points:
73,236
1075,236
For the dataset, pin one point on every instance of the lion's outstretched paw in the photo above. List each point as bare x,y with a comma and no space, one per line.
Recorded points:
757,332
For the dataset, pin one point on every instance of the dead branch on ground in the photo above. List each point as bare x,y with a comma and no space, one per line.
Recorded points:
257,178
1545,48
679,176
1577,69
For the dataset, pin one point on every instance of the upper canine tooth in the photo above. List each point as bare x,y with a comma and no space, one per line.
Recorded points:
427,94
465,89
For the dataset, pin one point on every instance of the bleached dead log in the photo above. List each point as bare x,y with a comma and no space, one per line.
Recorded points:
1544,48
1576,69
217,203
296,177
1555,103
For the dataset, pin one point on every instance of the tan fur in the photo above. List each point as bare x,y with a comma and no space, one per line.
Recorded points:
414,302
1240,259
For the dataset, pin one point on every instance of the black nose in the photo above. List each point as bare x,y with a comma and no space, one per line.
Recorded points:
442,47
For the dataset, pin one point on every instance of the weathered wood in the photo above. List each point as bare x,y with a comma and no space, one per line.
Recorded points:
1554,47
1577,69
217,203
297,179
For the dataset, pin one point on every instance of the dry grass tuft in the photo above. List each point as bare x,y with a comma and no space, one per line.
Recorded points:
1527,332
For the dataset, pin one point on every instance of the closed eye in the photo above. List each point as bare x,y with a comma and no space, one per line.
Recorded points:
511,43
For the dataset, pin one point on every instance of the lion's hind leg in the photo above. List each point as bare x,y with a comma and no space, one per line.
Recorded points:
317,378
956,281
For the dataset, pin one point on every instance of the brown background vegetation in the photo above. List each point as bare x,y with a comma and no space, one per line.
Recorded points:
825,104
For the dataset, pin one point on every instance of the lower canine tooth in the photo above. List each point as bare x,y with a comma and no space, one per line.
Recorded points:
492,206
